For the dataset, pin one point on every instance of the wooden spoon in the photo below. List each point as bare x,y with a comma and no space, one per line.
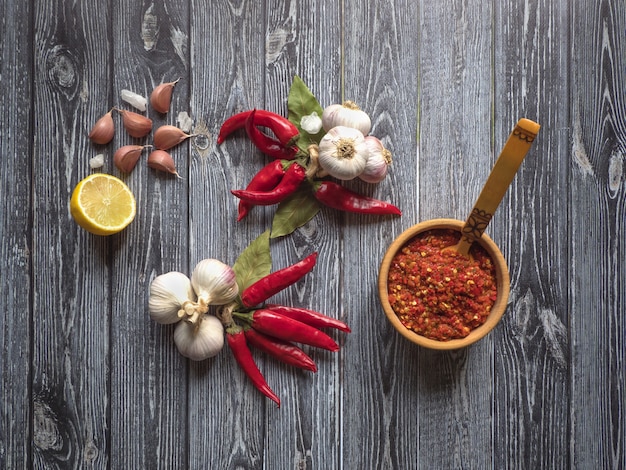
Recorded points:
499,180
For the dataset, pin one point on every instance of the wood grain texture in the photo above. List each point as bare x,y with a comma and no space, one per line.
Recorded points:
598,215
87,380
16,125
532,347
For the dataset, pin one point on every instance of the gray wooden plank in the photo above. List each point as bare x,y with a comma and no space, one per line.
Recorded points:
228,419
70,296
381,400
456,155
16,126
598,223
532,344
148,375
309,417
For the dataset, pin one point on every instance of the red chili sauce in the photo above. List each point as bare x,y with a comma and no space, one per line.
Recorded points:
441,295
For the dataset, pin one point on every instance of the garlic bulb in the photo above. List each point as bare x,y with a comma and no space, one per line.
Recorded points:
378,161
169,294
347,114
214,282
201,341
343,152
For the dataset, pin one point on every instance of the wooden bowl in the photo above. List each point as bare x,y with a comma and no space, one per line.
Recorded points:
502,278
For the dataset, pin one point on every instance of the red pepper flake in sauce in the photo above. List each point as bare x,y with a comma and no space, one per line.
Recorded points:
441,295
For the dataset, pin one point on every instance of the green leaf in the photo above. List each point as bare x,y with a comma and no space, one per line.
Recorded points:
294,212
301,102
254,262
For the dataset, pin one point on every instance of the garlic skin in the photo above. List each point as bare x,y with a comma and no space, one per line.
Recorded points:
343,152
378,161
214,282
170,293
201,341
347,114
311,124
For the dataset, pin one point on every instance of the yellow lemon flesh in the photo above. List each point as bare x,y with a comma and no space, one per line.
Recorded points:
102,204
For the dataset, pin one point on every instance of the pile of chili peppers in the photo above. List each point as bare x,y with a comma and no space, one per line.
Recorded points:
275,328
282,177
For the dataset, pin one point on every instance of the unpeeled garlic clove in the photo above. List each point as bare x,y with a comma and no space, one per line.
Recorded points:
126,157
103,130
162,161
166,137
136,124
161,96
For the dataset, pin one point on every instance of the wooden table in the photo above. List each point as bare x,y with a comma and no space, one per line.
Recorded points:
89,381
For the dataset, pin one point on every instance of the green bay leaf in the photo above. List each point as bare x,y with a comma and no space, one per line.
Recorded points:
294,212
254,262
301,102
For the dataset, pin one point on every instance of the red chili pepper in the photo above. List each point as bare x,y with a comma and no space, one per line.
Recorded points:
294,175
243,356
336,196
282,350
267,144
284,130
285,328
274,282
310,317
266,179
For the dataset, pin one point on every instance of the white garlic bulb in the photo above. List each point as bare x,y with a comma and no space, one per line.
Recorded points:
169,293
343,153
214,282
347,114
201,341
378,161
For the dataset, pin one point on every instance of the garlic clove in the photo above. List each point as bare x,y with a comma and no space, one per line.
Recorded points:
311,124
135,124
161,96
343,153
214,282
135,100
103,130
378,161
127,156
170,293
201,341
168,136
347,114
162,161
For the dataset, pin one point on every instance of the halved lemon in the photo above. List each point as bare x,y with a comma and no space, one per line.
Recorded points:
102,204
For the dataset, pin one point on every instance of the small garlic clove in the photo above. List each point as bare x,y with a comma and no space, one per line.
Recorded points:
311,124
135,100
127,156
96,162
162,161
168,136
378,161
201,341
161,96
169,294
342,152
103,130
135,124
214,282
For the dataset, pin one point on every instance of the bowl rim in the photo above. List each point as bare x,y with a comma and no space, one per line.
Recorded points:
502,278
